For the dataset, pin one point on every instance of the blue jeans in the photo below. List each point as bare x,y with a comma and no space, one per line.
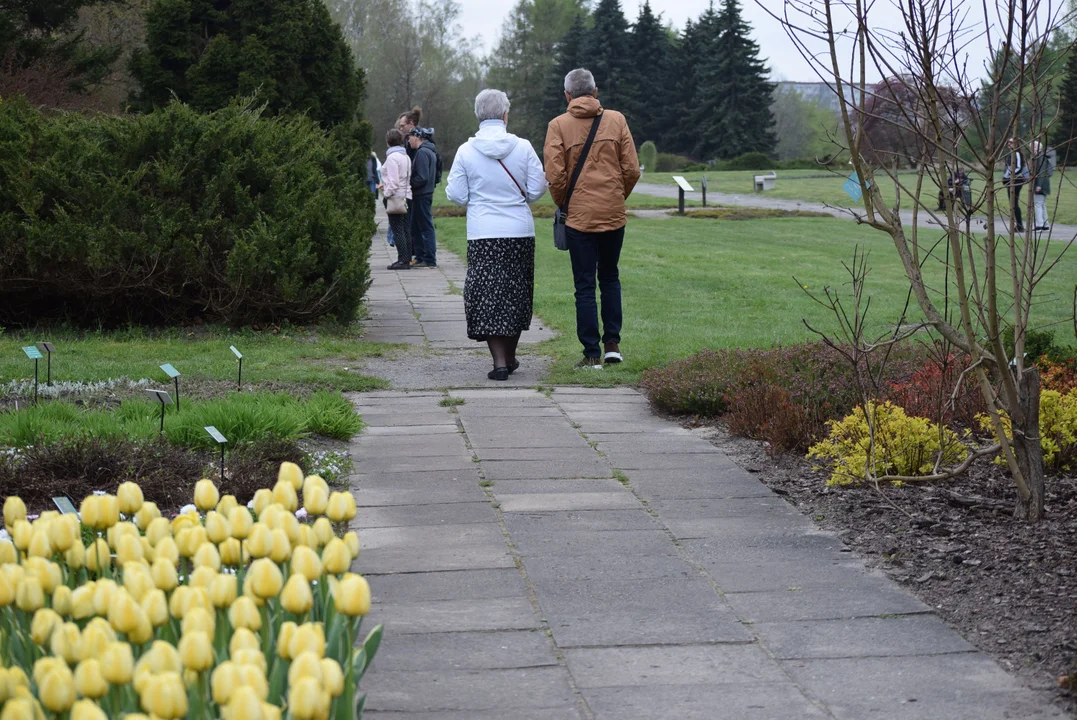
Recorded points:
422,230
596,255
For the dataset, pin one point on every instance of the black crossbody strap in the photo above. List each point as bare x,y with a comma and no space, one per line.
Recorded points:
581,161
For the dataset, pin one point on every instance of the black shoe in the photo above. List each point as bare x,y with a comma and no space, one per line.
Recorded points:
501,373
514,366
1020,228
399,266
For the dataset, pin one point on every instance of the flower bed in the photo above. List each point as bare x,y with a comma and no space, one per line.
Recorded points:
222,611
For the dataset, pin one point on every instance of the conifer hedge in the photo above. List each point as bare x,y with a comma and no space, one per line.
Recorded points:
176,215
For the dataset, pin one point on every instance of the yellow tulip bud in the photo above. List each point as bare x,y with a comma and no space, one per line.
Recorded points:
243,639
307,700
352,595
119,530
290,473
260,541
40,545
351,539
8,554
167,550
291,526
61,600
270,712
284,639
196,651
65,642
129,550
244,614
96,636
224,682
104,589
335,557
118,663
14,511
123,611
75,557
231,552
250,657
88,710
263,498
165,696
253,677
138,580
45,665
43,623
190,540
284,493
7,589
315,481
217,527
29,596
164,574
226,505
146,514
56,689
266,578
240,522
308,637
272,516
282,547
64,532
48,573
158,529
98,555
315,500
89,680
245,705
199,620
82,601
206,495
208,557
296,597
180,601
323,529
307,563
183,521
162,658
23,708
304,665
223,590
155,606
337,508
129,495
332,676
21,532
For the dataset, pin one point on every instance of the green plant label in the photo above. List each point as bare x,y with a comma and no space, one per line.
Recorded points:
65,506
162,396
216,434
46,347
170,371
32,352
237,353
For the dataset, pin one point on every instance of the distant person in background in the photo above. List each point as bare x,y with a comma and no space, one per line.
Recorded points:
405,123
396,186
595,227
1041,175
424,168
497,175
373,173
1014,178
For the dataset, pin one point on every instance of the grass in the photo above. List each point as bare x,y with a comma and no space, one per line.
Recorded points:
451,401
690,284
544,205
242,418
319,357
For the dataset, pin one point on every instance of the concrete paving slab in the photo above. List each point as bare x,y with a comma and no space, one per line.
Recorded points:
433,479
764,506
449,585
400,463
419,430
862,637
673,463
703,702
619,567
582,454
816,548
377,447
869,597
599,613
421,418
563,438
454,557
567,501
752,576
454,616
388,497
565,713
742,529
501,690
510,413
529,486
673,487
422,536
574,543
510,469
577,520
455,651
405,516
671,665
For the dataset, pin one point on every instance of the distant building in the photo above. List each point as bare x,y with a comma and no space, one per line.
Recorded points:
818,91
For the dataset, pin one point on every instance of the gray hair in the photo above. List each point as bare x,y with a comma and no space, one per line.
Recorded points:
491,105
579,82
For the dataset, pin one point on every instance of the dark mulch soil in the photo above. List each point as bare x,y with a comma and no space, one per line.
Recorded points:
1009,587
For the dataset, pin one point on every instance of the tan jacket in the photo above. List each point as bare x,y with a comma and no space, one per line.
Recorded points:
610,173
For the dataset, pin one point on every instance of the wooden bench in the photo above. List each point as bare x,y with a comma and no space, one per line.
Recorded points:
765,182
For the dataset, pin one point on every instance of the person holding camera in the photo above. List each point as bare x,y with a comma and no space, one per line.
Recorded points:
1014,177
424,177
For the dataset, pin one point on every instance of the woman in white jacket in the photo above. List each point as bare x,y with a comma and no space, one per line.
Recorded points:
497,176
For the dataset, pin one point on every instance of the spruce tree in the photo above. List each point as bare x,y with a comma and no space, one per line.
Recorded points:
1065,124
682,79
609,58
288,53
733,96
568,56
650,48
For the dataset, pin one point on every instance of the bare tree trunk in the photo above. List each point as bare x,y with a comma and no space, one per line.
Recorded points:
1028,450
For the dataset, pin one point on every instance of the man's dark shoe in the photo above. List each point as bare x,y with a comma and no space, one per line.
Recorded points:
613,354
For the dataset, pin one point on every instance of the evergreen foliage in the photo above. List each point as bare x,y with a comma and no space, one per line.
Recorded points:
609,56
1065,125
176,215
648,156
650,49
570,54
288,53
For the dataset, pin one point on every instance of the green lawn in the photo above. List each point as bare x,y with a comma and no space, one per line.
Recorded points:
691,283
296,356
636,200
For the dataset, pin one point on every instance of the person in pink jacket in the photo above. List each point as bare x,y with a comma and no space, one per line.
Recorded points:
396,183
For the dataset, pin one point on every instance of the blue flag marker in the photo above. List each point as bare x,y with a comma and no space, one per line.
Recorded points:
852,188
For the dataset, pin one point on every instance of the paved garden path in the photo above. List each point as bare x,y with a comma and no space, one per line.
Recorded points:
567,554
1063,233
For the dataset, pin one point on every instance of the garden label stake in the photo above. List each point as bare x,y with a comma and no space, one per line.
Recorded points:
174,374
34,354
165,399
47,347
239,355
221,440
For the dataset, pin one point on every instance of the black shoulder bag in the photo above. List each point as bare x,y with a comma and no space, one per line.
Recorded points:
560,216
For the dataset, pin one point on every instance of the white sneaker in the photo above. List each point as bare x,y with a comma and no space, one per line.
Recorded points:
613,354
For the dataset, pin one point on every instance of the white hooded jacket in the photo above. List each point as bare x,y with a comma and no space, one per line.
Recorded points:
496,207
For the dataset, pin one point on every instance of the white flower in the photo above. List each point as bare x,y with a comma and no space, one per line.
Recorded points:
99,492
188,508
4,534
250,505
301,513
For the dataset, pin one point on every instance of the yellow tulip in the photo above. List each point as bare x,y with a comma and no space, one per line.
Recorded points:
323,529
155,606
307,700
40,545
244,614
245,705
158,529
56,689
48,573
8,553
45,665
89,680
21,532
82,601
307,637
166,549
352,595
142,633
266,578
183,521
89,710
243,639
282,547
118,663
138,580
206,495
164,575
224,682
315,481
332,676
104,589
196,651
98,555
7,589
284,493
231,552
62,600
43,623
351,539
129,549
64,532
14,510
291,474
253,677
270,712
296,597
119,530
260,541
96,636
250,657
199,620
262,499
307,563
284,639
162,658
208,557
240,522
336,558
337,507
291,526
65,642
315,500
273,515
223,590
190,540
226,505
23,708
147,550
123,611
146,515
130,497
29,596
75,557
217,527
166,696
305,665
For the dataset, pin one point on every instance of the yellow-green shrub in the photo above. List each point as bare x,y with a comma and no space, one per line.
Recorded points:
904,445
1058,429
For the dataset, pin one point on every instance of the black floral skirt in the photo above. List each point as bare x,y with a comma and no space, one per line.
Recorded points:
499,291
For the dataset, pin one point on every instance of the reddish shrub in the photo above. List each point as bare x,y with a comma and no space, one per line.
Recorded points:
1058,373
928,389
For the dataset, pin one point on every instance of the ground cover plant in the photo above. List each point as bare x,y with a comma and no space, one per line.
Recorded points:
225,610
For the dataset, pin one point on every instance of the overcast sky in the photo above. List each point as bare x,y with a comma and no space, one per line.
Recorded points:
484,18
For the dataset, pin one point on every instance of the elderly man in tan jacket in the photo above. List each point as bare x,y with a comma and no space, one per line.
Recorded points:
595,226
